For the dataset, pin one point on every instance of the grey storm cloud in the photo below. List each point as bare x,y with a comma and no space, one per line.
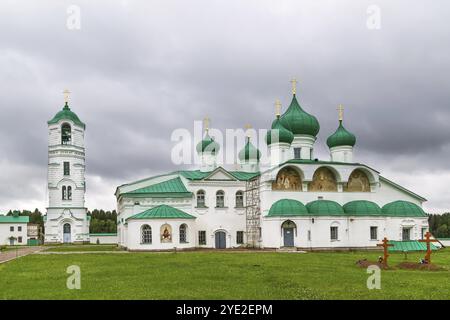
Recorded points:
138,70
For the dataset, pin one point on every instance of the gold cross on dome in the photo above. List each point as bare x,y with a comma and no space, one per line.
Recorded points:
206,123
341,112
247,128
277,107
294,85
66,95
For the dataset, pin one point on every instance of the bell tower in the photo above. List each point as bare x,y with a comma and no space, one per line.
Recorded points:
66,220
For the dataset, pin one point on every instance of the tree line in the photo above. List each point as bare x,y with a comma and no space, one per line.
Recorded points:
440,225
101,221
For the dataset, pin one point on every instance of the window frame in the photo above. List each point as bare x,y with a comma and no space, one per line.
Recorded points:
66,135
239,237
220,199
64,193
371,233
299,151
146,234
183,235
66,168
202,238
201,197
334,233
11,228
239,194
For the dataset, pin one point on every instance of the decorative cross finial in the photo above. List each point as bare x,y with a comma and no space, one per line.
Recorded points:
206,123
66,96
341,112
294,86
247,128
277,108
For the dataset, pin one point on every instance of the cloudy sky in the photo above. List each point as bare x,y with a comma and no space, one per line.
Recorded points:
138,70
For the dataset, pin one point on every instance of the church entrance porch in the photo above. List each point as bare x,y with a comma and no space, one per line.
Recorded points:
67,233
288,228
220,240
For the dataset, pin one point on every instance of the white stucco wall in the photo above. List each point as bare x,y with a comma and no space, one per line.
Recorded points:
5,233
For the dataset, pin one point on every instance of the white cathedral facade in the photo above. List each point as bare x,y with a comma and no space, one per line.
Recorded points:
66,220
296,202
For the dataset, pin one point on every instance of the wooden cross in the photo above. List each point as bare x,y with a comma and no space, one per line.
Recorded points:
294,85
66,95
341,112
428,241
277,108
385,244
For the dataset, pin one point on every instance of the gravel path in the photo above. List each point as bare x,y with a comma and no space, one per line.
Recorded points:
12,254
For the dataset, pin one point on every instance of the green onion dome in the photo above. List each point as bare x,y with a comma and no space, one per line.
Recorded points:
249,152
298,121
403,209
280,132
208,145
341,137
362,208
325,208
67,114
286,208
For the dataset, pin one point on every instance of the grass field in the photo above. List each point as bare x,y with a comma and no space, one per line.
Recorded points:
83,248
219,275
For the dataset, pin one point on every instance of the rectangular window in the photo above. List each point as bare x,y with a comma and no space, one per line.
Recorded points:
334,233
11,228
19,239
202,237
240,237
373,233
19,229
424,231
406,234
297,153
67,168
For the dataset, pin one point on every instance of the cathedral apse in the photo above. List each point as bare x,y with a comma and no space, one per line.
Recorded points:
323,180
358,182
287,179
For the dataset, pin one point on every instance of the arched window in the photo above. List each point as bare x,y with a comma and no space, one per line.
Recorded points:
239,199
66,134
69,193
146,234
201,199
220,199
323,180
64,193
183,233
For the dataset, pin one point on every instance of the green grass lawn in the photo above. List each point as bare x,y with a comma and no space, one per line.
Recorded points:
86,247
219,275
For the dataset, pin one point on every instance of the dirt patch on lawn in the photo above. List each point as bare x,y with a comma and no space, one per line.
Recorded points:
419,266
364,263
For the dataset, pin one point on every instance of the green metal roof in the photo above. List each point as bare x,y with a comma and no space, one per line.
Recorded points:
325,208
169,188
208,145
362,208
287,208
413,245
403,209
341,137
199,175
298,121
162,212
279,133
249,152
67,114
13,219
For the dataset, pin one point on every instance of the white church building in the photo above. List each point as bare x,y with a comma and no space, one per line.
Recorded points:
66,220
297,202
